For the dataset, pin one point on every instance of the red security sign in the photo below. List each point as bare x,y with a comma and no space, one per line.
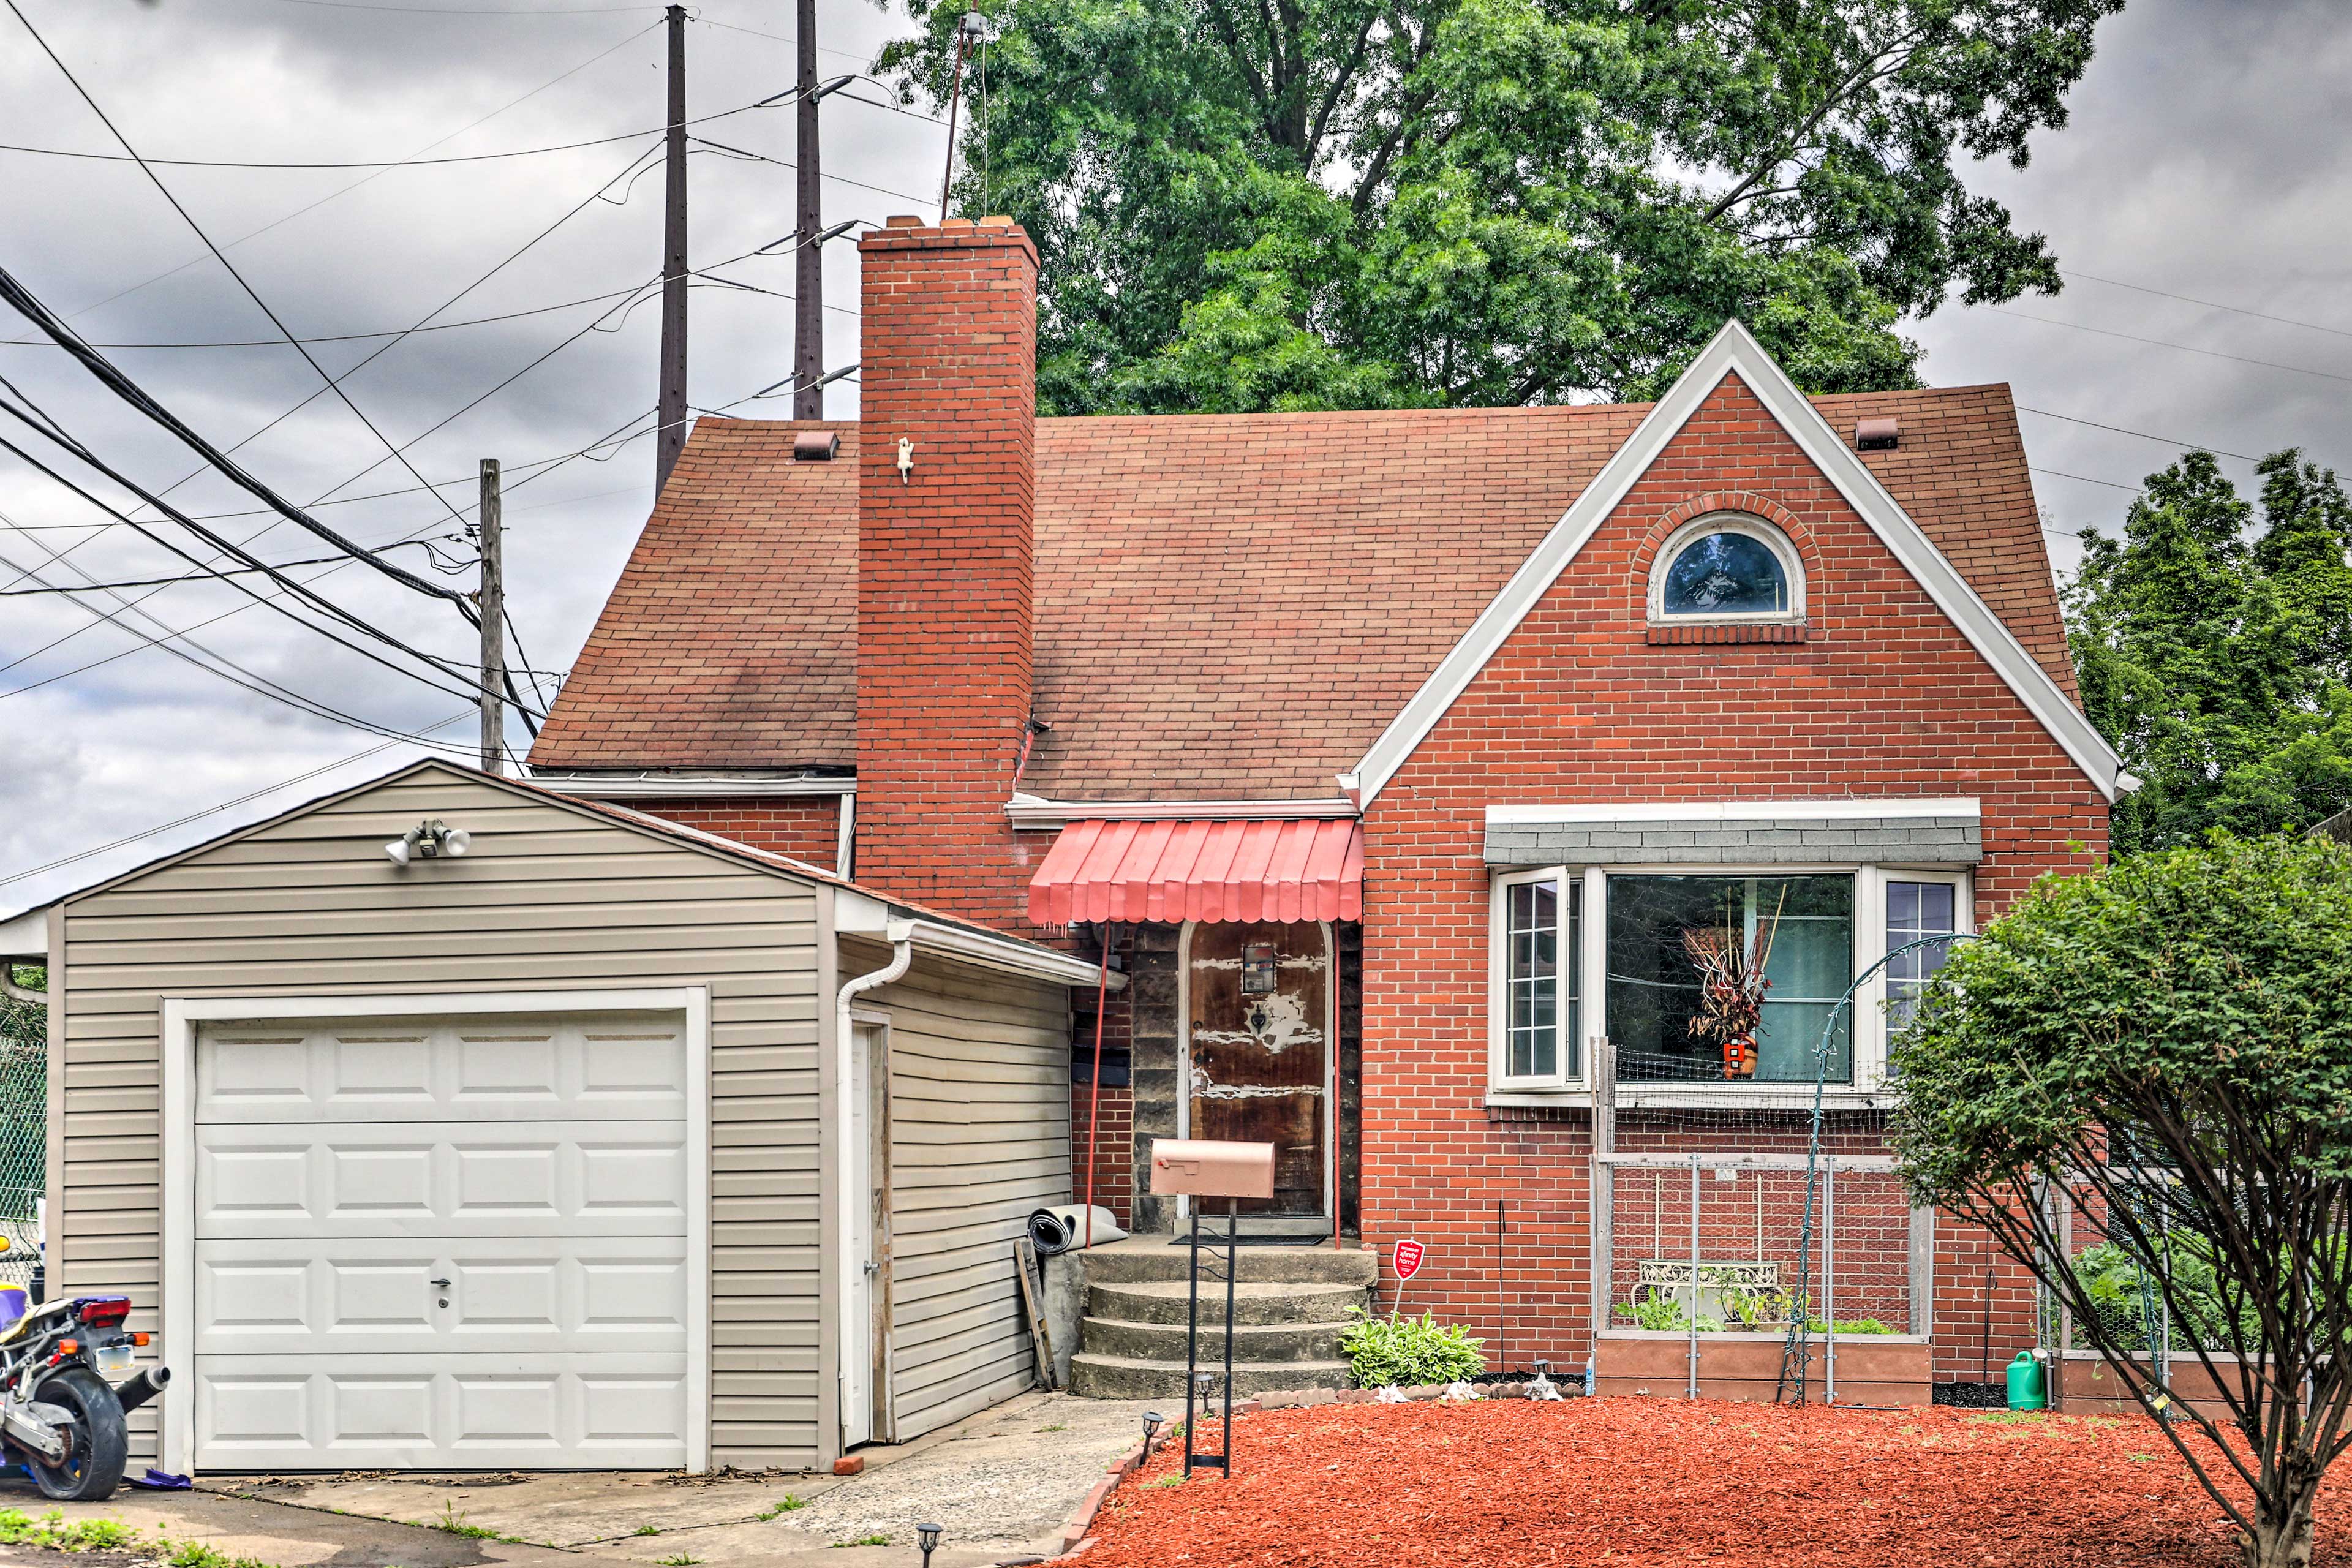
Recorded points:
1409,1254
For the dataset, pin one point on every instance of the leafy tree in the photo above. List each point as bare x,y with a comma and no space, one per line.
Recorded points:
2215,652
1310,204
2168,1042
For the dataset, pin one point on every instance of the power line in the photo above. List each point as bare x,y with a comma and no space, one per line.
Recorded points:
782,38
2156,342
2085,479
471,10
788,163
342,190
185,577
2143,435
220,460
2208,304
342,337
240,800
223,546
257,683
380,162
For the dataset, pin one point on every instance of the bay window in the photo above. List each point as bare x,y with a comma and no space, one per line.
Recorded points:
1581,953
1803,926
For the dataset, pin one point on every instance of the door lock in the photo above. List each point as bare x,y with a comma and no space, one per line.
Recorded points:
444,1284
872,1267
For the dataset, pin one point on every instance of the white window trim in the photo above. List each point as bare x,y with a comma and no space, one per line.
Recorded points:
1571,883
1783,549
1871,1035
182,1017
1866,1025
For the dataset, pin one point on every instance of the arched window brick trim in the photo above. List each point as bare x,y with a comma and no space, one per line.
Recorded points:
1742,512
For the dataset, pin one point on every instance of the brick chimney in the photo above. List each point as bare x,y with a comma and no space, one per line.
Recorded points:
946,484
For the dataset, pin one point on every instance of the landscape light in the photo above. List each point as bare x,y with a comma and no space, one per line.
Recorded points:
1152,1421
928,1535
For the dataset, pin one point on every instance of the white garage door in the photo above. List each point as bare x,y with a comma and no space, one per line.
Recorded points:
441,1243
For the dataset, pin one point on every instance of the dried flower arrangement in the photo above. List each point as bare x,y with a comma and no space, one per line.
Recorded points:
1732,987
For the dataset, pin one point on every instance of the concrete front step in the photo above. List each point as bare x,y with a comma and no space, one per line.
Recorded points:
1097,1376
1252,1342
1254,1302
1151,1257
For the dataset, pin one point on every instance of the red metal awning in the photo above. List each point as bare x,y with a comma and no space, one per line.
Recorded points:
1309,870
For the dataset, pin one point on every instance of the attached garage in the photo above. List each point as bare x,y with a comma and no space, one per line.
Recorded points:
547,1155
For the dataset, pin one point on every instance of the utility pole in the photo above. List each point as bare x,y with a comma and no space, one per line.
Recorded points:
491,603
808,279
966,30
670,439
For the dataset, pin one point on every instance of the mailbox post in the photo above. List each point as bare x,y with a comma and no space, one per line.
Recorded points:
1201,1168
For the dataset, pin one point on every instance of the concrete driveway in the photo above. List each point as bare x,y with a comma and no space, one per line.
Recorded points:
1001,1482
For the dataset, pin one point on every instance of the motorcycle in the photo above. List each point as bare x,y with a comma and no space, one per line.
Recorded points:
59,1412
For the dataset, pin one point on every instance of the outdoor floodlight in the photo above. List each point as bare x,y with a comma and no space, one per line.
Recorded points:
928,1535
429,840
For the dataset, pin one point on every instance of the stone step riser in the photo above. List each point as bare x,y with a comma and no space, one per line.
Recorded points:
1263,1265
1165,1343
1096,1377
1305,1304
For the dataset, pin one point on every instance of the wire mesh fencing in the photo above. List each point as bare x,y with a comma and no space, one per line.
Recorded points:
24,1135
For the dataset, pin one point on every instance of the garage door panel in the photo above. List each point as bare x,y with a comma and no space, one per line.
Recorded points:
628,1067
297,1298
397,1411
441,1178
346,1169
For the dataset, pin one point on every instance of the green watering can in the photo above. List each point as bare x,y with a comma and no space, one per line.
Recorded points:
2027,1389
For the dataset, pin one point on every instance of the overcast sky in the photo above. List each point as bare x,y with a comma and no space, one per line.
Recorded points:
2208,157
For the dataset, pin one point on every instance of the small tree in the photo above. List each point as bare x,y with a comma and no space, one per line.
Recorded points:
2169,1040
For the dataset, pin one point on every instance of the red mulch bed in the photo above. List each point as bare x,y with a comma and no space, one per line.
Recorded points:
1652,1482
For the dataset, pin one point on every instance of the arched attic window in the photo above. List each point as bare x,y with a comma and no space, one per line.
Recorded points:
1730,568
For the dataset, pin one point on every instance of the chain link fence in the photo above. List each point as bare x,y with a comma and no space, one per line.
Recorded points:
24,1134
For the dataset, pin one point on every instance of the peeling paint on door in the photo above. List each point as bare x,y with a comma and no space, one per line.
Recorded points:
1258,1066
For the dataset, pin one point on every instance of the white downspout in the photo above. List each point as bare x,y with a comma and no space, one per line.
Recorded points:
900,935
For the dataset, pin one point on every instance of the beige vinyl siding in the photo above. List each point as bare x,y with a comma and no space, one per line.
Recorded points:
980,1137
549,898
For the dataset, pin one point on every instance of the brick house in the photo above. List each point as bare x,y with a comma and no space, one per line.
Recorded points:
1390,755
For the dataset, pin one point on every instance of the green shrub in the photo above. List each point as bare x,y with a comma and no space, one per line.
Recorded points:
1409,1352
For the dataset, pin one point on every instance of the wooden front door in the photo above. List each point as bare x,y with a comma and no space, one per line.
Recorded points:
1259,1050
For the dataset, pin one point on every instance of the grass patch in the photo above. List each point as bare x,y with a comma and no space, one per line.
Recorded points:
452,1522
53,1530
866,1540
1056,1426
645,1530
1166,1481
680,1560
2007,1417
788,1503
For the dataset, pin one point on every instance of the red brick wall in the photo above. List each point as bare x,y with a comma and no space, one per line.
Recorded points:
945,553
1114,1142
1884,697
806,827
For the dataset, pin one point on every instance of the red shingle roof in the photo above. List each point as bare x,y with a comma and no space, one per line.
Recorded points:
1228,606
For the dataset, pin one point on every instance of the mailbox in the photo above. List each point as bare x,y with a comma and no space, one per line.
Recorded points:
1203,1168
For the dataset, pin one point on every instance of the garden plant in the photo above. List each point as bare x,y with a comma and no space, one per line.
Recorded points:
2169,1041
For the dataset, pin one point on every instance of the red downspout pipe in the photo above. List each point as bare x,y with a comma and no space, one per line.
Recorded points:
1094,1099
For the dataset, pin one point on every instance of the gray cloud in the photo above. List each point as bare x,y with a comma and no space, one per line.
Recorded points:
2206,157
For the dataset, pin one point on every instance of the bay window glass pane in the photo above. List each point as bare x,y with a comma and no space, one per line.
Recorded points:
1915,910
1538,954
1654,989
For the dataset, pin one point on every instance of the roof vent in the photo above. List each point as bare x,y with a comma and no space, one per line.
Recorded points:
815,445
1878,434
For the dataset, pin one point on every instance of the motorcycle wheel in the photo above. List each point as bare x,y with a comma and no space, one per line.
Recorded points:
98,1442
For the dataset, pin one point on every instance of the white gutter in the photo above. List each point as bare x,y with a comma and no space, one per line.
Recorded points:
900,934
859,914
1035,811
844,840
677,786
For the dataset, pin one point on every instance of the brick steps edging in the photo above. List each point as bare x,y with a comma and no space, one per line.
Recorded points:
1075,1538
